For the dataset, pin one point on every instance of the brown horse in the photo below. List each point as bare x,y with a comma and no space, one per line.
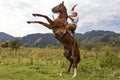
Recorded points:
71,49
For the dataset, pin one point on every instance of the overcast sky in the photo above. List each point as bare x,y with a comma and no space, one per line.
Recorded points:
93,15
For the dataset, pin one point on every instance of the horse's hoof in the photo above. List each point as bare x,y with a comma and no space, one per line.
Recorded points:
68,72
28,22
34,15
73,76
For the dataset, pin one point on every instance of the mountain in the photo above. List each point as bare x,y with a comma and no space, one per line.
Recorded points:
5,37
44,40
96,35
39,40
110,37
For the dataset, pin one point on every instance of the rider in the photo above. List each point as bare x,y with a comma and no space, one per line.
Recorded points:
71,27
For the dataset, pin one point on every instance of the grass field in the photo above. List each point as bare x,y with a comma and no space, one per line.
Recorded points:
50,64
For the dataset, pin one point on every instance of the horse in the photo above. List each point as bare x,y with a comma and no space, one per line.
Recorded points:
71,49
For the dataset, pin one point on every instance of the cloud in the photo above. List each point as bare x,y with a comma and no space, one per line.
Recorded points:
93,14
99,13
112,24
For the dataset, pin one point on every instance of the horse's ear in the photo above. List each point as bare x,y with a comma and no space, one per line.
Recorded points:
62,2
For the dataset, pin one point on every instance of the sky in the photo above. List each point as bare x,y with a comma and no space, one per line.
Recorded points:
93,15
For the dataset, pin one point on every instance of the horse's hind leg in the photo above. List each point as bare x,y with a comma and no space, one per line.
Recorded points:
74,62
75,66
67,54
71,63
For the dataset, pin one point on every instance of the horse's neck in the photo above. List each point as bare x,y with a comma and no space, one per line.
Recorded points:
63,15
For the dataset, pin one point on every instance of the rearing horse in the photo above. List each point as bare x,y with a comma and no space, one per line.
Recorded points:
71,49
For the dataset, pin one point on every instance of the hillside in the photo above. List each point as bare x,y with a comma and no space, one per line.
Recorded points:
44,40
94,36
5,37
39,40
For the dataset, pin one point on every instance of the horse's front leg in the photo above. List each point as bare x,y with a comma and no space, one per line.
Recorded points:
48,19
42,23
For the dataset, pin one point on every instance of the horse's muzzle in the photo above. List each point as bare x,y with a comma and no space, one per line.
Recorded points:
54,11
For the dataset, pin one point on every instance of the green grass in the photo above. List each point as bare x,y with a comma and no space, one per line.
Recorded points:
50,64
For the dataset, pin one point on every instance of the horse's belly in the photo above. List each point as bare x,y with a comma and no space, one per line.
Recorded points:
66,40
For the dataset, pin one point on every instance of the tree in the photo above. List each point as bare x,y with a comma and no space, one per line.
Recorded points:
15,44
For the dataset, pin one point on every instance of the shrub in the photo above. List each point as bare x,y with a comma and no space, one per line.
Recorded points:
4,45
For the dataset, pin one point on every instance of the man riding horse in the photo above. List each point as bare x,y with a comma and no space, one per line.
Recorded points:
71,49
71,27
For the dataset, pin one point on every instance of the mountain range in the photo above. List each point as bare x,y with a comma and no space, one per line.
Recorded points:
5,37
43,40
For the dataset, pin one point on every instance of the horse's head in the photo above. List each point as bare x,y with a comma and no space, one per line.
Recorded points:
59,8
